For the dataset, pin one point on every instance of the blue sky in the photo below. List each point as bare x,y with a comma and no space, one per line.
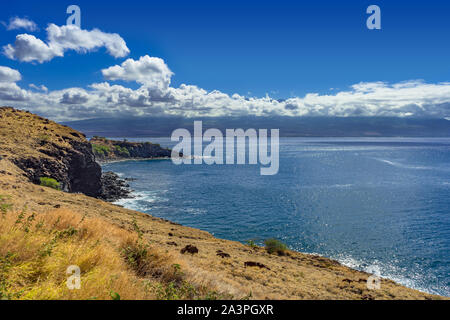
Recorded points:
285,49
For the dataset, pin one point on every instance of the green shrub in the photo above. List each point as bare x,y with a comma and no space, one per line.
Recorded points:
4,206
50,183
43,139
137,257
275,246
251,243
114,295
122,151
100,150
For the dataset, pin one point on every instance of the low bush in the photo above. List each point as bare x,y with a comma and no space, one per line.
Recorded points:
251,243
50,183
275,246
43,139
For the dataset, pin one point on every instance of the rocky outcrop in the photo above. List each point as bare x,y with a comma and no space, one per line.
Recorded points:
105,149
113,187
45,149
189,249
145,150
74,168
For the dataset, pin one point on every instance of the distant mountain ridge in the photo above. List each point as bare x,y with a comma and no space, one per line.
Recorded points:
289,126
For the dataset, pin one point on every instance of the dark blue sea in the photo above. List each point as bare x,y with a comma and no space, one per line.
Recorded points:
366,202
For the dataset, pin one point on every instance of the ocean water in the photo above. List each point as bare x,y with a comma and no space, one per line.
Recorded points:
378,203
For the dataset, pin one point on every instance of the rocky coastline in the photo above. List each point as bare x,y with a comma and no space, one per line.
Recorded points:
32,148
114,188
105,150
113,150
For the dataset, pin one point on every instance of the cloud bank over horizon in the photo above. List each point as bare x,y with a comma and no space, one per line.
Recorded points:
156,97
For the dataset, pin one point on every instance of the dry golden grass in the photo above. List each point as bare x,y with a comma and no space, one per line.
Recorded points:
23,133
37,249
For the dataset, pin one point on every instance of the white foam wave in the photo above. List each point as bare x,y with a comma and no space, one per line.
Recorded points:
194,211
404,166
341,185
142,201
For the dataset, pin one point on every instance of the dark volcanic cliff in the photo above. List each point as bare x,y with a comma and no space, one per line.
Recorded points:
43,148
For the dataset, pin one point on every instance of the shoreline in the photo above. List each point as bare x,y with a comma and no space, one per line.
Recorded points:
296,275
103,162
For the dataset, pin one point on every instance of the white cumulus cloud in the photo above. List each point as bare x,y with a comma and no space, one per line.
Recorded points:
148,71
9,75
28,48
9,90
70,37
21,23
12,92
39,88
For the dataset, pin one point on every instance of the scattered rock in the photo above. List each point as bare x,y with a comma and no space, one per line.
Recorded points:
356,290
172,243
222,254
75,134
190,249
347,280
170,234
255,264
